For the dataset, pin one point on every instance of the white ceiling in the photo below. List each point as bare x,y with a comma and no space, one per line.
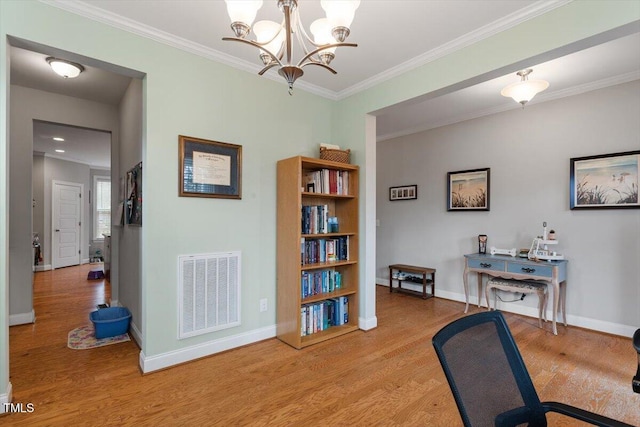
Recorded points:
393,37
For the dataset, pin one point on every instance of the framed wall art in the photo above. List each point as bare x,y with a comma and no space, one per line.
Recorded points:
406,192
210,168
605,181
133,204
468,190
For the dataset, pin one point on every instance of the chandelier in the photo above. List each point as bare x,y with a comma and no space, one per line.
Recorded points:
524,90
274,40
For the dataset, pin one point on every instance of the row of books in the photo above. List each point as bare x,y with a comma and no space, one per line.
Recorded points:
319,282
327,181
313,251
323,315
315,219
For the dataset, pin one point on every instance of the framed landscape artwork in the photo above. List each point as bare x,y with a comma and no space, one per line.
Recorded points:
468,190
605,181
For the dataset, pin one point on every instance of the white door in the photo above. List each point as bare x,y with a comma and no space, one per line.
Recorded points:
67,203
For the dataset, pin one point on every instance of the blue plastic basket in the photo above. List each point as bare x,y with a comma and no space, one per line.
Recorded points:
110,321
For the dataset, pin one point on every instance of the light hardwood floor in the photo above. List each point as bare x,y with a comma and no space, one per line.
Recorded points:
388,376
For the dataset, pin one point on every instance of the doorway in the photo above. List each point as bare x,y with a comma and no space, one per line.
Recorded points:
66,219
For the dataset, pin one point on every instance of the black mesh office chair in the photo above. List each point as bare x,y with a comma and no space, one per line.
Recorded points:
636,380
488,377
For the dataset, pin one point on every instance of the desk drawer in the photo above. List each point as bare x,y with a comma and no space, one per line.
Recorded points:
486,264
532,270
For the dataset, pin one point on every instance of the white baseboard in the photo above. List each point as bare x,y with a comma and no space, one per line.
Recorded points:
580,321
136,334
85,261
176,357
5,398
366,324
22,318
45,267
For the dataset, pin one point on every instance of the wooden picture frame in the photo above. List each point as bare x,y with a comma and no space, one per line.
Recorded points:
608,181
468,190
209,168
405,192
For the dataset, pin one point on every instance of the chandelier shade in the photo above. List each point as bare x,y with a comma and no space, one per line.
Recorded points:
64,68
524,90
275,41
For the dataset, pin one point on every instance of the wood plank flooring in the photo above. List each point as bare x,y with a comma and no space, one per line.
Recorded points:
388,376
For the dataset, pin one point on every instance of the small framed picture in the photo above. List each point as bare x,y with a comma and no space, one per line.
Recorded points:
405,192
605,181
468,190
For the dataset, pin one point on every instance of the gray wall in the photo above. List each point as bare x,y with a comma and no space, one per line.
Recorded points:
38,200
28,105
528,152
128,237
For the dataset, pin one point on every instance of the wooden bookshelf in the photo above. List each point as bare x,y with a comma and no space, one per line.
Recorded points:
293,194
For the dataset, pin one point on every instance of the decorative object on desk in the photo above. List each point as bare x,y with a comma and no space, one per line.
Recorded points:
406,192
482,243
333,153
468,190
552,235
496,251
133,202
540,247
210,168
605,181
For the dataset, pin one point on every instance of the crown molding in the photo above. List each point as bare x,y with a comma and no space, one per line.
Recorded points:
468,39
543,97
94,13
100,15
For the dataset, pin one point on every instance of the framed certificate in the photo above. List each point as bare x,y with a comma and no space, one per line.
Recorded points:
210,168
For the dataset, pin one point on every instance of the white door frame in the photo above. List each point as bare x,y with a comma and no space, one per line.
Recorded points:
53,226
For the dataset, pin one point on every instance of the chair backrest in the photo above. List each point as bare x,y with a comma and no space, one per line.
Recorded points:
636,344
485,370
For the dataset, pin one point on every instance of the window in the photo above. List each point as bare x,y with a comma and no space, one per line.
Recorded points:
101,206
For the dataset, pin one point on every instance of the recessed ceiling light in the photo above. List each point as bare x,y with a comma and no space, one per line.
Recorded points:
59,151
57,138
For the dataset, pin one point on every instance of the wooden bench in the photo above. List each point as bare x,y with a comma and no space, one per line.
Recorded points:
423,271
522,287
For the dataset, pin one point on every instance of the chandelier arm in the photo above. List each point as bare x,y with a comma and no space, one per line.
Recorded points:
320,49
319,64
267,68
254,44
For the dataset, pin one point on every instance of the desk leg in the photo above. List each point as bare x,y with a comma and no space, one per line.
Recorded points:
556,298
480,290
465,281
563,301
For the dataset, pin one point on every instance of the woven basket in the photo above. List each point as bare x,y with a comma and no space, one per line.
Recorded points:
340,156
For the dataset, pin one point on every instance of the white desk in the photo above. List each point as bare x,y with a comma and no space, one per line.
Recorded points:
552,272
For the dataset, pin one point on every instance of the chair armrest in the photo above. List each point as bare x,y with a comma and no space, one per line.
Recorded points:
581,414
514,417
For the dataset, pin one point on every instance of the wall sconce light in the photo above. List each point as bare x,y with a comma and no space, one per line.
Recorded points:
64,68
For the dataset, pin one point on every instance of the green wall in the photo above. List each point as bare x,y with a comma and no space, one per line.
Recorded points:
190,95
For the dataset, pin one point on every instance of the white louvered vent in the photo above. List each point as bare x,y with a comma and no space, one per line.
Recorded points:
208,292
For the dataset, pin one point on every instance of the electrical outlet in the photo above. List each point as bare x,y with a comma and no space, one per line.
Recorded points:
263,304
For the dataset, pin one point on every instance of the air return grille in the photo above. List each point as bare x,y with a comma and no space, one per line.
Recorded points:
209,292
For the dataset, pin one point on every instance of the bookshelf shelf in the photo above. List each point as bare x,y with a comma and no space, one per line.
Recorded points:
305,260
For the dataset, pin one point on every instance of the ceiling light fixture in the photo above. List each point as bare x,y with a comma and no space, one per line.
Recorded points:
275,40
524,90
64,68
57,138
59,151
